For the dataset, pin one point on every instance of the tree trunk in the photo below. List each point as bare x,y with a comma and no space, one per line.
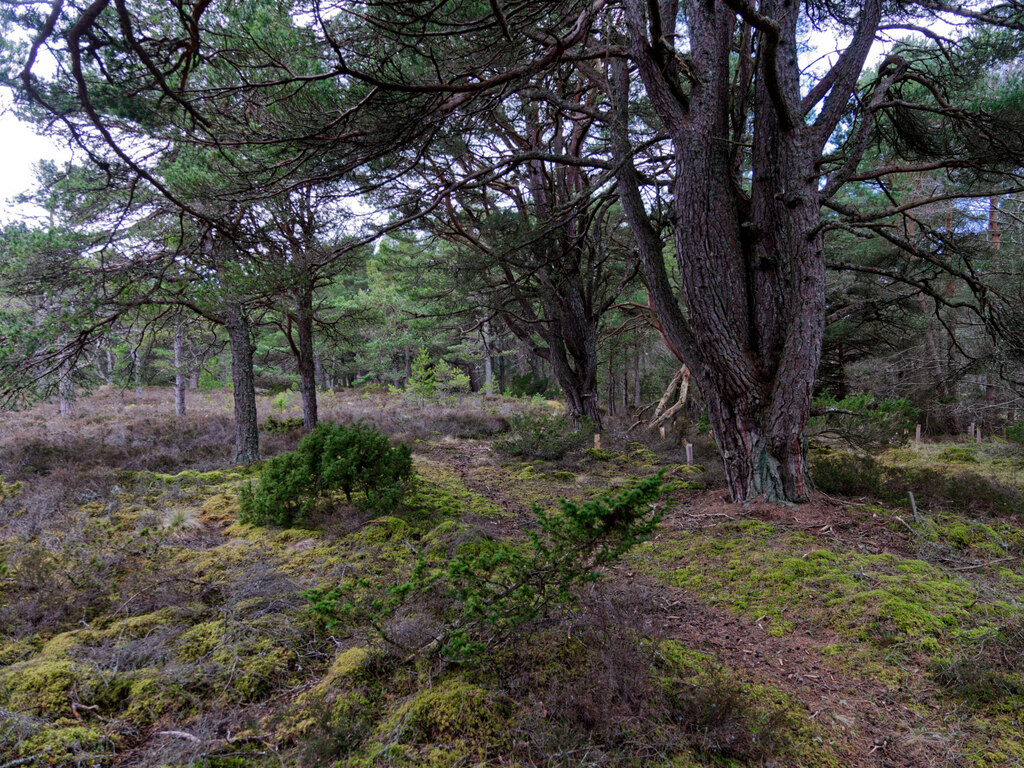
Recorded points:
137,371
750,263
611,383
306,360
485,335
637,394
65,388
109,377
318,372
247,436
578,382
179,371
502,367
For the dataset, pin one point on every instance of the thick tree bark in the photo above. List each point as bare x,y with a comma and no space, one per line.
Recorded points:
750,258
247,436
179,371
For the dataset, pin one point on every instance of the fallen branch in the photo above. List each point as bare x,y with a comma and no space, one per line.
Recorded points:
984,565
181,735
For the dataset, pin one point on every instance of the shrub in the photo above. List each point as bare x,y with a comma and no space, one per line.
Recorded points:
846,474
529,384
498,586
861,421
274,426
1015,432
539,436
356,459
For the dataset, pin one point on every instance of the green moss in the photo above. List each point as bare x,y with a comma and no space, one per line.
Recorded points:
712,696
44,685
138,626
348,663
561,477
438,494
957,454
150,695
200,640
686,469
452,712
776,576
683,485
383,531
221,506
244,663
641,453
67,744
12,651
598,454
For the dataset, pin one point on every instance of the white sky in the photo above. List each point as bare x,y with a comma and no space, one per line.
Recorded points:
20,150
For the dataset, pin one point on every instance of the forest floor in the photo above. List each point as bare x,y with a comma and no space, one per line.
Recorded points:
142,625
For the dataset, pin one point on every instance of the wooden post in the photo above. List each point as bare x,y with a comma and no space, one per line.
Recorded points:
917,435
661,431
970,430
977,434
597,442
689,453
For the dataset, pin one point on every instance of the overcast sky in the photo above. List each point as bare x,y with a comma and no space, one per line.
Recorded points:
20,149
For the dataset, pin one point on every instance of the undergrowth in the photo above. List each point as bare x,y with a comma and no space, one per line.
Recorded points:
497,586
354,459
542,436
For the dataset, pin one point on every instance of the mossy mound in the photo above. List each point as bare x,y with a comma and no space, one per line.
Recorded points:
789,579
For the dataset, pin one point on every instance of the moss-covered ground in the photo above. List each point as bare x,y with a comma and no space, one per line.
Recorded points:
142,625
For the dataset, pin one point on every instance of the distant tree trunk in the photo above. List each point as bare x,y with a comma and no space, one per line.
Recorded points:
625,379
179,371
65,388
636,378
108,374
247,436
408,363
501,363
136,370
611,383
318,372
305,357
485,335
